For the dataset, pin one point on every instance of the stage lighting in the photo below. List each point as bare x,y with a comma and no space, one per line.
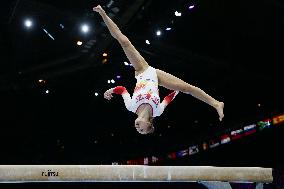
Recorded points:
28,23
49,35
177,13
158,33
85,28
41,81
104,61
148,42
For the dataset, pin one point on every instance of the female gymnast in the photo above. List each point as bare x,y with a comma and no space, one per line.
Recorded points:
145,101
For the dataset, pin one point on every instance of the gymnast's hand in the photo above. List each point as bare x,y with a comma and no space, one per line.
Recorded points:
98,9
108,94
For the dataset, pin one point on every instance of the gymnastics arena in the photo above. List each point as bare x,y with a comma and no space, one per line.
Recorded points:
142,94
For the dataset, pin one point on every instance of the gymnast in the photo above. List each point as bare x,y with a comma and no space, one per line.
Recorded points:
145,101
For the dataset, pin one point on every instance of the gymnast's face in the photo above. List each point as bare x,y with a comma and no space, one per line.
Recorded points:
143,126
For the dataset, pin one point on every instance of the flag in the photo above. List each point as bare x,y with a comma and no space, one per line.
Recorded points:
154,159
172,155
249,129
123,162
225,138
193,150
182,153
264,124
236,134
140,161
278,119
132,162
205,145
213,143
146,160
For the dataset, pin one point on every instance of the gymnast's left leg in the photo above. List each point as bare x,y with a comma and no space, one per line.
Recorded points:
173,83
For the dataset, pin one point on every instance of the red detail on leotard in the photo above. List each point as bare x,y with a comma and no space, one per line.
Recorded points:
148,96
170,97
119,90
139,86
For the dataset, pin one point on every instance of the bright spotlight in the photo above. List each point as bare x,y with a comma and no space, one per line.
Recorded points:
79,43
85,28
126,63
104,54
108,81
28,23
112,81
191,7
147,42
47,91
178,13
158,33
96,94
168,29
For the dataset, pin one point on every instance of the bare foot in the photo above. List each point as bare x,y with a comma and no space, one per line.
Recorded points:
219,108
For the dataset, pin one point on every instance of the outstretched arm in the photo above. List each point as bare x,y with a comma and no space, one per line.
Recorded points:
167,100
123,92
132,54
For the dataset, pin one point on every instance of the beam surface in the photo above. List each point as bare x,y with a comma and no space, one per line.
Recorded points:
132,173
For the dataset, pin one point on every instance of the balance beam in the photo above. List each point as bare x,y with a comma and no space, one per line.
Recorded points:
132,173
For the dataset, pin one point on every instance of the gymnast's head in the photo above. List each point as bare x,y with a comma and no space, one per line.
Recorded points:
144,125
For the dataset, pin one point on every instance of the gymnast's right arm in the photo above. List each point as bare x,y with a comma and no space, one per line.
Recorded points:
112,27
121,91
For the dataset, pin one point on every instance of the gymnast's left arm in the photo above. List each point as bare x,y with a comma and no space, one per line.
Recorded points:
167,100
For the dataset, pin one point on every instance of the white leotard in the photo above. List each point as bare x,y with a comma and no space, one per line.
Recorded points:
146,92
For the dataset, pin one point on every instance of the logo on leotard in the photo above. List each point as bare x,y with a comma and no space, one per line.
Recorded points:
155,100
148,96
140,86
144,96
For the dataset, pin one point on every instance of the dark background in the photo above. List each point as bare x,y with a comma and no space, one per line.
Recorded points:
233,50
